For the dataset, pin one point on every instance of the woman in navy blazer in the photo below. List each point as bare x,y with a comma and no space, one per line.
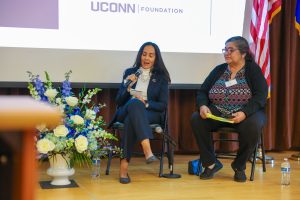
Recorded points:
141,103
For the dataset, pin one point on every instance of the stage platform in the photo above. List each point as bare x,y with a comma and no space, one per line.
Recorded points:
146,185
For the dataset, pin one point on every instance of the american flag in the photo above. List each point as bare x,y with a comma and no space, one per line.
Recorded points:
261,16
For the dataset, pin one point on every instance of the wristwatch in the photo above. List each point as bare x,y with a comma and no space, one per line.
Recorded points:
147,105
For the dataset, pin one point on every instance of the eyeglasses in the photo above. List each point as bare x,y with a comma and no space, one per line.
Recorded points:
229,50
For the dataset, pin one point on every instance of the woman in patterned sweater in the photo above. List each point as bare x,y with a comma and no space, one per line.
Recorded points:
237,90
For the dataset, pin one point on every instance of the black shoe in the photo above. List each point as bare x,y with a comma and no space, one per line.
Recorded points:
209,173
151,159
125,180
239,175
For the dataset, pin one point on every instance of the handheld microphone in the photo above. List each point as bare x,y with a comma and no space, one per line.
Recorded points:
137,74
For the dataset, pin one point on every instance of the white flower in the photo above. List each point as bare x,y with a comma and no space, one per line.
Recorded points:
61,108
77,119
90,114
44,146
51,93
81,143
41,127
61,131
86,100
58,101
72,101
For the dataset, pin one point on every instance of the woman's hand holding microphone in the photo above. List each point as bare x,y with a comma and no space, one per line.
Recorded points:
132,78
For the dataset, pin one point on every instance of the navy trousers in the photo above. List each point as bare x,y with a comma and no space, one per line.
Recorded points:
249,132
136,119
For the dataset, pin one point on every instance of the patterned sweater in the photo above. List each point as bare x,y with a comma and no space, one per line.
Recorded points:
253,78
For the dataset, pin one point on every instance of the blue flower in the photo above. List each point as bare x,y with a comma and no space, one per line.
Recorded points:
87,122
71,133
76,111
39,86
96,109
66,91
84,132
67,108
42,135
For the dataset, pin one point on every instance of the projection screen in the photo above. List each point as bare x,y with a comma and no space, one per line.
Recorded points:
97,40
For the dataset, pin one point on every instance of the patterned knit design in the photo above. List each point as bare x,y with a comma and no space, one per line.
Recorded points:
231,99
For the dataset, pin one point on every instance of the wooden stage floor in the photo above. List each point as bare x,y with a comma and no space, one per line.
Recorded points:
146,185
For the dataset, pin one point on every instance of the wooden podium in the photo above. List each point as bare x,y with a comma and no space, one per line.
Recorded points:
19,116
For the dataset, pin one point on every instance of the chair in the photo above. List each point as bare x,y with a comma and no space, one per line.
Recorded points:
225,131
160,134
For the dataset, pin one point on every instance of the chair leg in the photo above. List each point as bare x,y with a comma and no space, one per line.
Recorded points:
162,154
108,162
169,153
110,155
253,163
263,153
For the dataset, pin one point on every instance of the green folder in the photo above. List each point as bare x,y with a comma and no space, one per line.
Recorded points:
211,116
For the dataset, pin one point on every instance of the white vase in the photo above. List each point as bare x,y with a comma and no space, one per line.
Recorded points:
60,169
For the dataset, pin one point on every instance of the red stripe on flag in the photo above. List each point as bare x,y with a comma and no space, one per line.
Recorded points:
265,62
262,13
263,41
255,4
253,32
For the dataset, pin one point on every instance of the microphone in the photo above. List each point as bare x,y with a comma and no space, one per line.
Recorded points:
137,74
158,129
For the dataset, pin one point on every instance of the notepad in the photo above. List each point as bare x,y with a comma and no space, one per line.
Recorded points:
211,116
134,92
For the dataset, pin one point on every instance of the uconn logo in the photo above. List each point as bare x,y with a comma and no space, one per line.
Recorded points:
98,6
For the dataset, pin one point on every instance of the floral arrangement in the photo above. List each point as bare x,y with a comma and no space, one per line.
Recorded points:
80,136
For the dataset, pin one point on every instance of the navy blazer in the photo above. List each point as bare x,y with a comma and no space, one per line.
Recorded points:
157,92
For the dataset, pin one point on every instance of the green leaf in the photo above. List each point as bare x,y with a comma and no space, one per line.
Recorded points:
48,81
67,75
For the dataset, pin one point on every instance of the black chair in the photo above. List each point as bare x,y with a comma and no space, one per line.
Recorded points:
160,134
223,131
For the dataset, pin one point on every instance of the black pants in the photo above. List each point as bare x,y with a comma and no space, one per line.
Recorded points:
249,131
136,119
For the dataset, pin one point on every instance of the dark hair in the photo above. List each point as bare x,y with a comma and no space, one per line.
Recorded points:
159,66
243,46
